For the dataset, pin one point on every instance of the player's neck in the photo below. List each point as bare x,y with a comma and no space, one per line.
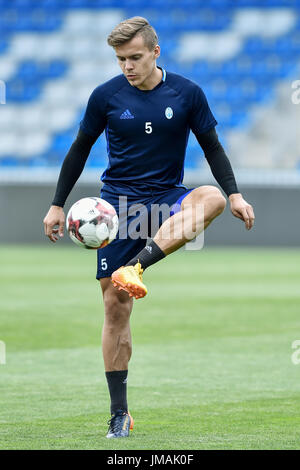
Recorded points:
152,81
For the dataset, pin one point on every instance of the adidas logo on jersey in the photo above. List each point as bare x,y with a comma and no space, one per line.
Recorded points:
126,115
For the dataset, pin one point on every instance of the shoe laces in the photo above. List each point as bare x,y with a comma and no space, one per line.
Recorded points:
138,268
115,422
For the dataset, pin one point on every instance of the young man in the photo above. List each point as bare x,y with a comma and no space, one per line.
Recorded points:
147,114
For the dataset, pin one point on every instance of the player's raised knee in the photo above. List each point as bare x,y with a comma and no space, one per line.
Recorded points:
215,200
207,194
214,195
220,201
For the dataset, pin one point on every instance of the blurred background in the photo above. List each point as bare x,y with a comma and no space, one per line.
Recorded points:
245,54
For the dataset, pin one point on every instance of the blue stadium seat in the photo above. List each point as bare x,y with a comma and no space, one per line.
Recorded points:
16,20
193,159
9,161
54,69
21,4
3,45
28,69
55,5
256,46
18,91
62,142
28,81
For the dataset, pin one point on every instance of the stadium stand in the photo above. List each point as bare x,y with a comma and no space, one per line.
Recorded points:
243,53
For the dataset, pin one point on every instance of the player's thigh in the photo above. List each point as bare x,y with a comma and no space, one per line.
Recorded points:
164,206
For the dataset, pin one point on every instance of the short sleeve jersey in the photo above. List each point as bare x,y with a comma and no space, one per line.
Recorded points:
147,131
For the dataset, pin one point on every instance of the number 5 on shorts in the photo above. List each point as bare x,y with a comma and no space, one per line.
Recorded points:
103,264
148,127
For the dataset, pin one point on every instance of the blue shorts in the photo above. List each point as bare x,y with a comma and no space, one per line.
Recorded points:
143,219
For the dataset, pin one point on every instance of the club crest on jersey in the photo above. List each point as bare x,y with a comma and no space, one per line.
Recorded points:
169,113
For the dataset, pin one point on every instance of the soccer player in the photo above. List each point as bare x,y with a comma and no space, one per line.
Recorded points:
147,114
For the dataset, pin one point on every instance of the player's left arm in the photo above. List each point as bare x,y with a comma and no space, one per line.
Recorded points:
223,173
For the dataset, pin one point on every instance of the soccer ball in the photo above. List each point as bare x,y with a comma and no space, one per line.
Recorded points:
92,223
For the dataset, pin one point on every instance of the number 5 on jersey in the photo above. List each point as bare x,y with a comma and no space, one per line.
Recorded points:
148,127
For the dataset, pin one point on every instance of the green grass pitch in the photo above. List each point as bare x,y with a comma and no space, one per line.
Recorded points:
211,365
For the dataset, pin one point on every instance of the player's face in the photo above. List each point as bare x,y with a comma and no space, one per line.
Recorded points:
137,62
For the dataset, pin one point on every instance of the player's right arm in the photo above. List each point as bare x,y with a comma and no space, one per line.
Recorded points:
71,170
92,125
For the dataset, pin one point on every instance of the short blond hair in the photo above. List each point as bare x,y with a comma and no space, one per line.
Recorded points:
128,29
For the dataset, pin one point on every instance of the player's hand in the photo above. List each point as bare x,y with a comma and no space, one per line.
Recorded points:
54,218
241,209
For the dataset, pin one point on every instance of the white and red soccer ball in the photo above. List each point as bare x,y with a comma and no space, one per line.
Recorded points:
92,223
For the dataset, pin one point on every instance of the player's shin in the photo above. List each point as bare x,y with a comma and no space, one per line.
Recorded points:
149,255
117,385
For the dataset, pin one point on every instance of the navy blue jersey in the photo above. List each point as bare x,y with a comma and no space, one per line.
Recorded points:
147,131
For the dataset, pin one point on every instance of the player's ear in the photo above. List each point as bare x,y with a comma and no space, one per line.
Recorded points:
157,51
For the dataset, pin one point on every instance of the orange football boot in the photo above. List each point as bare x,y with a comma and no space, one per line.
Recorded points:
129,278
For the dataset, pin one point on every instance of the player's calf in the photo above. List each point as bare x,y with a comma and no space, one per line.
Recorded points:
116,336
